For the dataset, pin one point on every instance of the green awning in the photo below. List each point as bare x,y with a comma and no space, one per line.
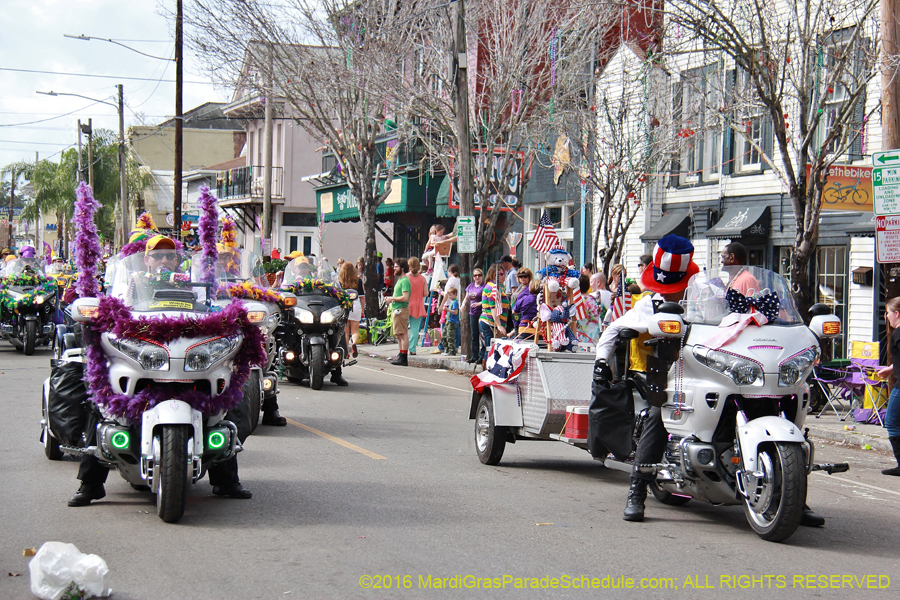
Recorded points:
407,195
443,209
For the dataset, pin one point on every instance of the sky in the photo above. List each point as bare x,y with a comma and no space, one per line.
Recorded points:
32,40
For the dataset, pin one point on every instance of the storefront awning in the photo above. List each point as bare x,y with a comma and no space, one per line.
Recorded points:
742,222
863,225
677,221
407,195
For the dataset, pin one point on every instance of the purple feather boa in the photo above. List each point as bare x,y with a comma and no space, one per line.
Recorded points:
87,242
114,317
208,228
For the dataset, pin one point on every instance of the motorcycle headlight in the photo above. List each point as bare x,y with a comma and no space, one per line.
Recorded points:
796,368
332,314
305,316
200,357
43,298
152,357
741,370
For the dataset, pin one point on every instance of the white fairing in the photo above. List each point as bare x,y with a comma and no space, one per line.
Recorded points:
764,429
171,412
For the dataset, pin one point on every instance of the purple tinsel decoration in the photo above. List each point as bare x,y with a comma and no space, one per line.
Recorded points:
113,316
209,229
87,243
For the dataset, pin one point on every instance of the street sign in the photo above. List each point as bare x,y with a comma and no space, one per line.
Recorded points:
886,186
465,235
887,239
886,159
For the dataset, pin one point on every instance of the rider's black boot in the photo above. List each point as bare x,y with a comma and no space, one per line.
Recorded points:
634,508
895,445
86,493
401,360
271,417
338,379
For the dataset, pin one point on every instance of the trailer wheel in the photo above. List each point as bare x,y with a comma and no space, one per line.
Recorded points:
490,440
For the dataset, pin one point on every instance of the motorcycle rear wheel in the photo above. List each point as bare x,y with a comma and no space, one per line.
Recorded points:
316,367
172,471
778,506
30,337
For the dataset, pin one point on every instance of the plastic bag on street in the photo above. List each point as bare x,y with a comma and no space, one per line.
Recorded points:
58,567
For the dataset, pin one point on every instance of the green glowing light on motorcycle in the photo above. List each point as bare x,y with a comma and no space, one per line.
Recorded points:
216,440
120,440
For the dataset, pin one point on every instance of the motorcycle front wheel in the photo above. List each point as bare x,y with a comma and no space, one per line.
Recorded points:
316,367
171,453
775,505
30,337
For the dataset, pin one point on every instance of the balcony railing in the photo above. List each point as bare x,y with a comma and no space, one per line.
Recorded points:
247,182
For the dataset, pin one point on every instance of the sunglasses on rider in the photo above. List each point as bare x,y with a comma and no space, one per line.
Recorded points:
164,256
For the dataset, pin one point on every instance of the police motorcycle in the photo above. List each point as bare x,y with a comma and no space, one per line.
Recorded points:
312,334
164,364
729,372
241,275
28,301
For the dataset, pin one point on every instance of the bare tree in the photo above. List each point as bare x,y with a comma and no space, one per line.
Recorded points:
529,68
334,67
805,66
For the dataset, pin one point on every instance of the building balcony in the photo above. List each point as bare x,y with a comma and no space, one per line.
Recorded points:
246,183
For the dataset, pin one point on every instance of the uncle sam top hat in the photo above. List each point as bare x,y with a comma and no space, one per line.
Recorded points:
672,266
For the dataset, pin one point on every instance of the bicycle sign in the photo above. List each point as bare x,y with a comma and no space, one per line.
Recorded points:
886,182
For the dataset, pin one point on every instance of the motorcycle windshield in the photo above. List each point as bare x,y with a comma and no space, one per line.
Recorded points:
25,265
309,267
155,280
707,299
233,267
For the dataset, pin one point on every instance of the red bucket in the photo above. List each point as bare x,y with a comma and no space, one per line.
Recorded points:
577,422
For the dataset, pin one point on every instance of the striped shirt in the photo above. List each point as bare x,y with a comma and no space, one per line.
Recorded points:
488,304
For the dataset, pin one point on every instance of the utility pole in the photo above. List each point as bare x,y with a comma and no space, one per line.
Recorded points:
79,177
463,151
890,129
123,188
89,130
37,218
266,232
179,63
12,195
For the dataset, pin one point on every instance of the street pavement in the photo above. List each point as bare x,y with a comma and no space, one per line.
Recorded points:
379,484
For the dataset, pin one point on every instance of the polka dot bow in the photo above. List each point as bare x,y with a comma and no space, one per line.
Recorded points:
767,304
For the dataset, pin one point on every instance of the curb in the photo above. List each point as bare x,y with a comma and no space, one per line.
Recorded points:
850,438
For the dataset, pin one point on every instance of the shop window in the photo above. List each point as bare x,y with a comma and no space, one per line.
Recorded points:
831,285
562,216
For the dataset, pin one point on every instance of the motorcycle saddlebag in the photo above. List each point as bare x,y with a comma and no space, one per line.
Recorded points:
65,404
610,420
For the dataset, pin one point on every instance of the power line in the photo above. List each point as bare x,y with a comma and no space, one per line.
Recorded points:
51,118
37,143
101,76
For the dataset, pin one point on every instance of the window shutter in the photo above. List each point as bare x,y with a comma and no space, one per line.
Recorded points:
857,125
728,132
675,169
767,138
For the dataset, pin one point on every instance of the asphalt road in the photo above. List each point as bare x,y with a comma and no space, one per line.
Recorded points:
378,484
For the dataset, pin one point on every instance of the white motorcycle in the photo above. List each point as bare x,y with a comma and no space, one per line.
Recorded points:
160,397
730,372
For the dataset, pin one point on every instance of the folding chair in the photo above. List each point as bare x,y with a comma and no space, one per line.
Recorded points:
864,358
836,383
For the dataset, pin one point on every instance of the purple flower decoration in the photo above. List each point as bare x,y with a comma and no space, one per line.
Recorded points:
87,242
209,229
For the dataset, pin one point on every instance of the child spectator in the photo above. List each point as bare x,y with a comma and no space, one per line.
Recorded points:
449,333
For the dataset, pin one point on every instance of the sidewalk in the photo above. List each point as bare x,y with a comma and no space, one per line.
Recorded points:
428,357
828,427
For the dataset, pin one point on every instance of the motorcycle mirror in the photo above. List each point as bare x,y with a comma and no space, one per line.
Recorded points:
819,309
672,308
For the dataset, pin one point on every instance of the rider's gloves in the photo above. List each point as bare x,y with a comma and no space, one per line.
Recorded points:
602,372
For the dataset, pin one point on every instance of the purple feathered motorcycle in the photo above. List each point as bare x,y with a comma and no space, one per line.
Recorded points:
164,365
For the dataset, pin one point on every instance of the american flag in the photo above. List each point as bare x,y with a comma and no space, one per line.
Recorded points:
578,305
544,238
622,302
